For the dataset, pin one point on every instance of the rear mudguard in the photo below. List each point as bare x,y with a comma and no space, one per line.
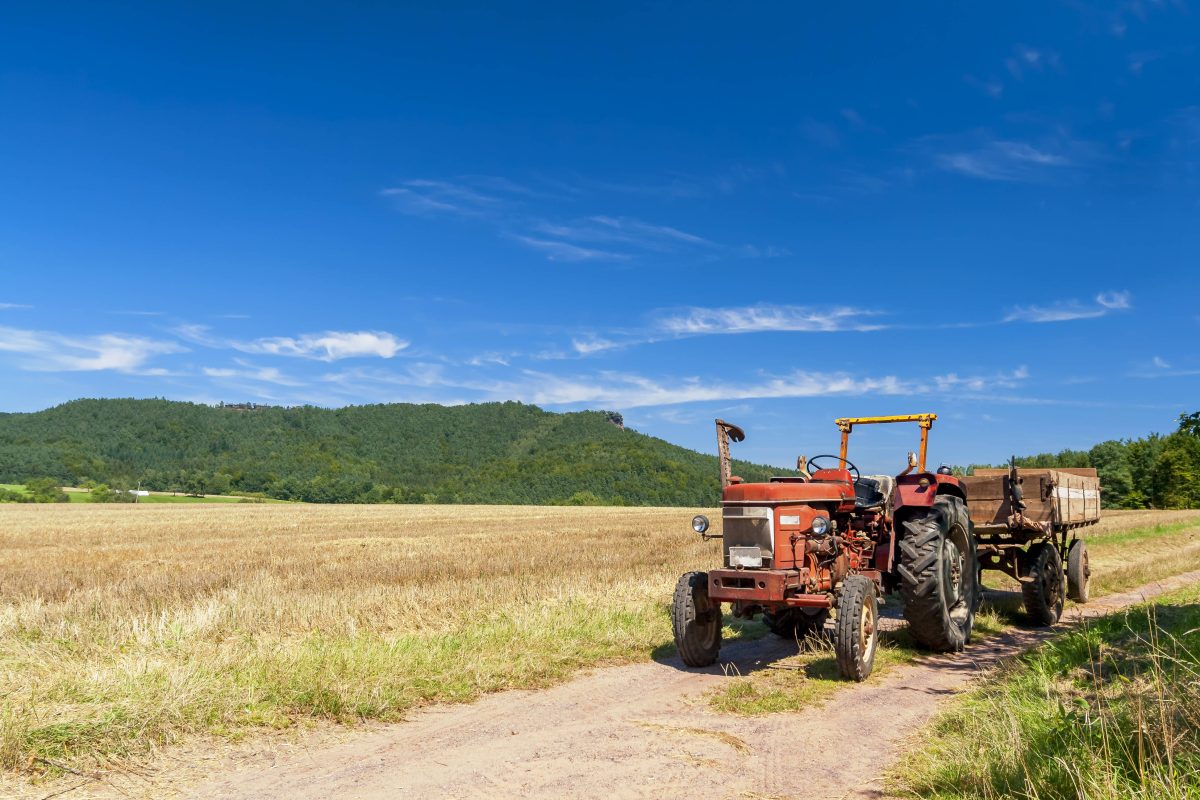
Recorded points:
918,490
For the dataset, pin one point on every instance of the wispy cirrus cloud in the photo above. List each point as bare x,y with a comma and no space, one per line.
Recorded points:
557,250
1002,160
46,351
624,390
324,346
13,306
1104,304
512,212
246,371
765,317
1026,59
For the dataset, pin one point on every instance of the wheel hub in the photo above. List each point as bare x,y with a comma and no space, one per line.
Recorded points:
955,563
866,632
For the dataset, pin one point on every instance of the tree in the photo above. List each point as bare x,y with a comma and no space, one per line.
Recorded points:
46,490
1190,423
102,494
1176,482
1111,460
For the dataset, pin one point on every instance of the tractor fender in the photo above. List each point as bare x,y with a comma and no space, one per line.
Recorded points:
918,490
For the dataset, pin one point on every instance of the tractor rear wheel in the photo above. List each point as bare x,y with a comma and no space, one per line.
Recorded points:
696,621
1042,587
796,623
857,628
1079,573
939,575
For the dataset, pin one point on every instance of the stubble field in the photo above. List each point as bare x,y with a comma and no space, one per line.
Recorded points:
126,628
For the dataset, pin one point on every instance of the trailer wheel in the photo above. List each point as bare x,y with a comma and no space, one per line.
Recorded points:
1042,588
796,623
696,621
939,575
857,628
1079,574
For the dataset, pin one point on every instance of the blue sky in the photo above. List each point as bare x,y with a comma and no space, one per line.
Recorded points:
773,213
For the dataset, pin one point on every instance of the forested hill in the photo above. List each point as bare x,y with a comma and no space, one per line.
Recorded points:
487,453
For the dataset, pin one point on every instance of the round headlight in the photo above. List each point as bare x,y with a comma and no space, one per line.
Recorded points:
700,523
820,526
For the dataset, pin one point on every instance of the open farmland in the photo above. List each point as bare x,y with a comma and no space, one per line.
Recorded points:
126,627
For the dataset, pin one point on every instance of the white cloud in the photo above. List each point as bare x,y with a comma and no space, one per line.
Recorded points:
328,346
1114,301
325,346
52,352
12,306
1063,311
624,390
593,344
1161,363
251,372
1001,160
504,207
766,317
564,251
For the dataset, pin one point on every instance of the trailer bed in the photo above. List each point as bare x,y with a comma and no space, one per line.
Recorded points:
1055,499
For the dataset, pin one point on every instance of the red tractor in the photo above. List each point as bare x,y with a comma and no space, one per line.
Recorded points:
796,547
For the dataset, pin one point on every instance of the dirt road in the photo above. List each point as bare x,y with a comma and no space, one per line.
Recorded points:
644,731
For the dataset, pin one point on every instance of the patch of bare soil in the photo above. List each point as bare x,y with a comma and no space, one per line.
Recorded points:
643,731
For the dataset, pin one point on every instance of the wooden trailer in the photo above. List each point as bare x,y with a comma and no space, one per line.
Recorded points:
1027,523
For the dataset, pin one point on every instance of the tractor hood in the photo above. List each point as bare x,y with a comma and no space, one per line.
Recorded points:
790,491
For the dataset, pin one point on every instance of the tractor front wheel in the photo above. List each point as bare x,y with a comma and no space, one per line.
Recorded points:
696,621
857,628
939,573
1042,586
1079,573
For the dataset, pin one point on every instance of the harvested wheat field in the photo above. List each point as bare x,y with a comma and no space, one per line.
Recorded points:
128,629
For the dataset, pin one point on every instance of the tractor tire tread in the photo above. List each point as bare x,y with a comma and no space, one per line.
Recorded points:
857,590
929,621
694,649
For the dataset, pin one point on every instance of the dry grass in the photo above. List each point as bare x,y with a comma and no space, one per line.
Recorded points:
122,628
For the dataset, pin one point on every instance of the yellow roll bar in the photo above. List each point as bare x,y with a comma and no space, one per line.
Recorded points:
846,424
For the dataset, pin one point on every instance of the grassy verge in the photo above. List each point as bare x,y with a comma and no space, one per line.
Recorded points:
1109,710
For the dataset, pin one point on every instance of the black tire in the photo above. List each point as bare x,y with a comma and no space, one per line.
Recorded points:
1079,572
796,623
939,575
1043,586
696,621
857,628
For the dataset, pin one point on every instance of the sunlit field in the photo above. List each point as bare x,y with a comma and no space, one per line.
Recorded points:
123,628
126,626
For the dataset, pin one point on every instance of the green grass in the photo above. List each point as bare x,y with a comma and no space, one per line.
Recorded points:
83,497
812,675
1109,710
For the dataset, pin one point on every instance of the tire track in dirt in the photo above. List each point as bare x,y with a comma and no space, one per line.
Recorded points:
644,730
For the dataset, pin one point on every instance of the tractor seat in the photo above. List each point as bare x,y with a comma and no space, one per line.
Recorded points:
873,491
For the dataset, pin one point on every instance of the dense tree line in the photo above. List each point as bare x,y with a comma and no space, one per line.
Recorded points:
1152,472
484,453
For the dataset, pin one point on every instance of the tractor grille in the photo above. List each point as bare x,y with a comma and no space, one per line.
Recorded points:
746,528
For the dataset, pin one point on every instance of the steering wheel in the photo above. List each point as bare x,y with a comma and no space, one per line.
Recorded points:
853,469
